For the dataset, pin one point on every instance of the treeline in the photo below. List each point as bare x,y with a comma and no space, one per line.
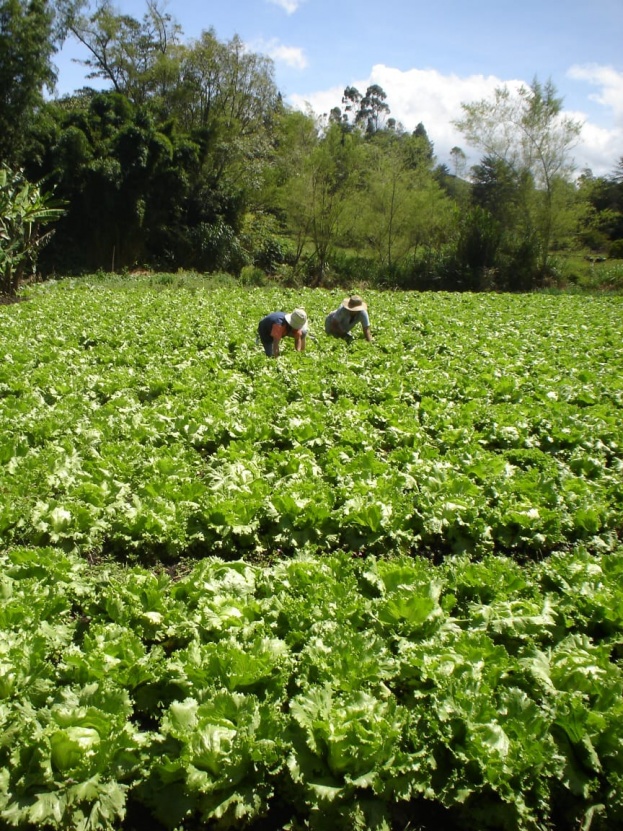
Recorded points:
192,161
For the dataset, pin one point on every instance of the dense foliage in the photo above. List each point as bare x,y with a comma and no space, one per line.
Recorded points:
189,159
25,211
319,693
25,70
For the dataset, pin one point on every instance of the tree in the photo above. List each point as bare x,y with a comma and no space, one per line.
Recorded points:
426,149
132,55
226,89
125,179
528,132
367,111
286,179
220,92
479,240
498,246
351,100
497,187
228,100
316,197
26,48
398,207
172,161
459,161
602,223
372,109
382,216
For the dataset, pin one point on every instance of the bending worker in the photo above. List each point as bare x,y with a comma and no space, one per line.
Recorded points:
278,325
351,311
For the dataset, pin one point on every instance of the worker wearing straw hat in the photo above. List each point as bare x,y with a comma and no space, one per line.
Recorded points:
278,325
350,312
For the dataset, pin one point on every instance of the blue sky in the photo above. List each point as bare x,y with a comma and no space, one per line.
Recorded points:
429,56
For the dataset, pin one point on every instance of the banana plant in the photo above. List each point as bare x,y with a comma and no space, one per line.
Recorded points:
24,211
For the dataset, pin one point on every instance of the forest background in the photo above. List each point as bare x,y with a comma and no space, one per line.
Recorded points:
191,161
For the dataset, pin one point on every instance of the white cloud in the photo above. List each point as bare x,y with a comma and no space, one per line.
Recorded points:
321,102
601,147
289,6
292,56
414,96
611,86
427,96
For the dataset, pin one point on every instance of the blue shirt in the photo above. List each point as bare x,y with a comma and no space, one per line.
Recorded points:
266,326
275,325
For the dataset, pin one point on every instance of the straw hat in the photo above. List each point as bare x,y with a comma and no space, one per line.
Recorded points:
297,319
354,303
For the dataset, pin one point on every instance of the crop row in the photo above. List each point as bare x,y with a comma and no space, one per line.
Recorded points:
337,692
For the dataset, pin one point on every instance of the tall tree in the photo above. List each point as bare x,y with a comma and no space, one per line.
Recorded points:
26,49
131,55
426,149
373,109
527,130
497,187
367,112
382,216
459,161
398,207
496,246
319,193
287,184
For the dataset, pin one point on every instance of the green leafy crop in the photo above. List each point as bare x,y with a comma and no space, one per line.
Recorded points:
472,423
374,586
334,691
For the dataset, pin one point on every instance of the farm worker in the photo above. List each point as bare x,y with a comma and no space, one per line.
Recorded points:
351,311
279,325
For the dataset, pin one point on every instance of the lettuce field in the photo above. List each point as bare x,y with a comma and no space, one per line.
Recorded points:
366,586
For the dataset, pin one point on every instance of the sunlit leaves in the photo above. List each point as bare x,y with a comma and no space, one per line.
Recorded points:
338,685
472,423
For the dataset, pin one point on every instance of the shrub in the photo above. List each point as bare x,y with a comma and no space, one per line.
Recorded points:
616,249
251,275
